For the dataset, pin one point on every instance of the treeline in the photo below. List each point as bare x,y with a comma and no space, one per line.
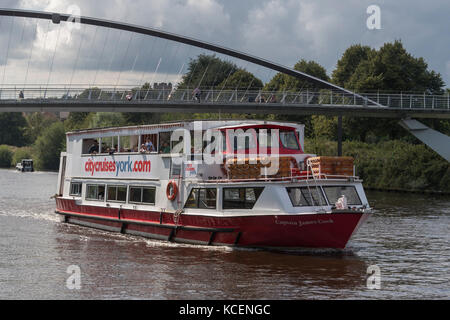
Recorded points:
387,156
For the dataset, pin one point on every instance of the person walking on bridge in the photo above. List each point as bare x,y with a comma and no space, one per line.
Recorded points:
197,94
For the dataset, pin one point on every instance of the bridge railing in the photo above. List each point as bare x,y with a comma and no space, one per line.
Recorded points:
221,96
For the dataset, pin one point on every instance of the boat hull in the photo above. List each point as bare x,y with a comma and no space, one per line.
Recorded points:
286,231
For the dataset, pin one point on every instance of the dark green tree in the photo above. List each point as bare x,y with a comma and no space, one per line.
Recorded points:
37,122
48,147
389,69
12,127
207,71
283,82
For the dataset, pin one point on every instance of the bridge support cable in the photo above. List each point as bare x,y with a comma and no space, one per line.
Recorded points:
76,63
7,54
52,61
437,141
29,61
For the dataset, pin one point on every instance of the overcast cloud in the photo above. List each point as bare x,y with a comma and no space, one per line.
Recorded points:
283,31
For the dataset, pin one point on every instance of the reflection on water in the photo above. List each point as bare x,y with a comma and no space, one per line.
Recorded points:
407,237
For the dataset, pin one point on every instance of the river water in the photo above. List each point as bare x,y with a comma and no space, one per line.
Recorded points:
406,239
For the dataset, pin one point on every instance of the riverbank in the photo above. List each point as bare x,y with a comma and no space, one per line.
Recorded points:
394,165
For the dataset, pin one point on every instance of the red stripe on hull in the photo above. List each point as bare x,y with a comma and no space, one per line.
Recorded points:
282,231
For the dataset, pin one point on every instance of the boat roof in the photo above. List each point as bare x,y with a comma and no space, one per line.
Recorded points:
170,126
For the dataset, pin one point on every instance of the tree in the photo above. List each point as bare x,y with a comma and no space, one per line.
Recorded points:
391,68
48,147
36,123
5,157
12,126
207,71
284,82
241,80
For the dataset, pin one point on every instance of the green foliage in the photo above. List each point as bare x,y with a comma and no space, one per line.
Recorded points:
22,153
241,80
48,147
12,126
283,82
5,156
76,120
395,164
105,119
207,71
391,68
36,123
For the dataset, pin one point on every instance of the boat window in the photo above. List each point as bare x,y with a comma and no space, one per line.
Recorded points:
148,195
150,142
90,146
107,145
95,192
305,196
202,198
164,142
144,195
289,140
125,144
240,198
75,189
175,170
117,193
333,193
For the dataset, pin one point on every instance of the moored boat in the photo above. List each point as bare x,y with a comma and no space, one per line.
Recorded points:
231,183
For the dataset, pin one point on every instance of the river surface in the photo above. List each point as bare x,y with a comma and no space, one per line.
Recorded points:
406,239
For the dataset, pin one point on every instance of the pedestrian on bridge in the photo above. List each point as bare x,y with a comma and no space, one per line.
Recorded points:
197,93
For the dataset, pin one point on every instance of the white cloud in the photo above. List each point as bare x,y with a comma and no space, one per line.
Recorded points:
284,31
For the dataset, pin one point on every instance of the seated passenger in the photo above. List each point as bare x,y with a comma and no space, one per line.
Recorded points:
165,148
93,148
143,149
149,146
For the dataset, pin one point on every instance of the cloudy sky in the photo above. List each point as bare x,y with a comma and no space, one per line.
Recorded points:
283,31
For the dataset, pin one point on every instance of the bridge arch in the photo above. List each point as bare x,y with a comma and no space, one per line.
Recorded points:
58,17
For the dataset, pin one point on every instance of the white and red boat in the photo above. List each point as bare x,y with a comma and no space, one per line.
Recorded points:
232,183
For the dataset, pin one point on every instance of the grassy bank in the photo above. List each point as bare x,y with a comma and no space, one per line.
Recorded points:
391,165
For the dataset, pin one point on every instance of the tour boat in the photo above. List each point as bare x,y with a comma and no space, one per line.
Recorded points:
226,183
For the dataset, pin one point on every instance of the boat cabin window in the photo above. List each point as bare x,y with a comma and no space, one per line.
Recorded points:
305,196
109,145
240,198
90,146
164,142
95,192
116,193
145,195
75,189
150,142
289,140
175,170
202,198
333,193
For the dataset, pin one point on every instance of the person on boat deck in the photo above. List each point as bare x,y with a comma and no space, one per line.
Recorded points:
94,147
149,146
165,148
143,149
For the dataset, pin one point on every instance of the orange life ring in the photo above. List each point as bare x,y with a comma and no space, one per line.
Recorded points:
171,190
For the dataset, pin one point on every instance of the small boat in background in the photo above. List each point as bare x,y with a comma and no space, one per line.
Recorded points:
26,165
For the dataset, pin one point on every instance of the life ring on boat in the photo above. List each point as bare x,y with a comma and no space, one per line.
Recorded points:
171,190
